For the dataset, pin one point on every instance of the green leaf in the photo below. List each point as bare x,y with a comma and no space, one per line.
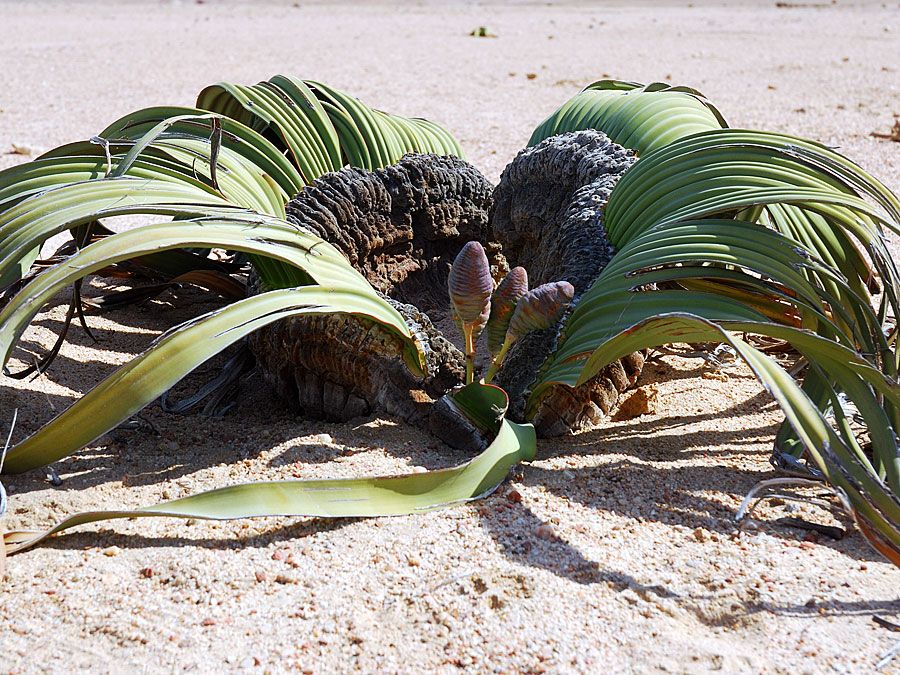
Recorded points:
237,137
343,498
225,170
642,118
175,354
872,499
24,227
684,272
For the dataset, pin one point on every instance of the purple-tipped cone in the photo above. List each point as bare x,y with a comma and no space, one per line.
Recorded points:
540,308
503,304
470,286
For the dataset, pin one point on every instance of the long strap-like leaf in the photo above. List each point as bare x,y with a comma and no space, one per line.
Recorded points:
175,354
875,501
206,165
642,118
347,498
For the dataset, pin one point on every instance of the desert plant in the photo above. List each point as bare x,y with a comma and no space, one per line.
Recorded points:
711,233
224,172
725,231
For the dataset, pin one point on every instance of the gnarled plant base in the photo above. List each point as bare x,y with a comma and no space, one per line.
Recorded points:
548,217
401,227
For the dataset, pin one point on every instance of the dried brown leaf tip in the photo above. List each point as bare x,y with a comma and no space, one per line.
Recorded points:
503,304
892,135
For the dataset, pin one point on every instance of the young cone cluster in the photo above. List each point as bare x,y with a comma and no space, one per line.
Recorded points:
509,313
503,304
538,309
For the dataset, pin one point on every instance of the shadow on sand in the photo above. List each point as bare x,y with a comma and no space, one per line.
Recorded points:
154,451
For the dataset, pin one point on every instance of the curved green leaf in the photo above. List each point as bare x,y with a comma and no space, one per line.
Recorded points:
343,498
175,354
873,500
642,118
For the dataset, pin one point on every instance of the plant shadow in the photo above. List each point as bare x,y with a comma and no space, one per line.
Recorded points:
261,424
276,534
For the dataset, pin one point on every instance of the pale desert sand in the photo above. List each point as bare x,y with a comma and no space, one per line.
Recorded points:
622,553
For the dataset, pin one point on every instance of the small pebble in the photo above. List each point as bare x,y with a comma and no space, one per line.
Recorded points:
544,532
22,149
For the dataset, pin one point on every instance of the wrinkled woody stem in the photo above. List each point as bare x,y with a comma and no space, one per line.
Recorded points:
498,360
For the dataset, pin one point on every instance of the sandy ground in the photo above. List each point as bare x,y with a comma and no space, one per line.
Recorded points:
616,550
